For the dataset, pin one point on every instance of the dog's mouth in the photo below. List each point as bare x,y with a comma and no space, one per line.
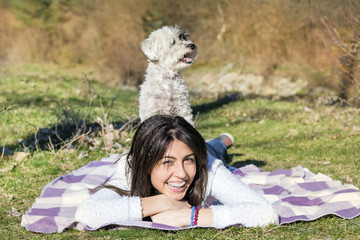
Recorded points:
189,57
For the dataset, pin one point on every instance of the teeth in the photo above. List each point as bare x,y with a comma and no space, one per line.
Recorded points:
177,185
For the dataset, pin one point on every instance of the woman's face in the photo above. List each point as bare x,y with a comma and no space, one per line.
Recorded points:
175,172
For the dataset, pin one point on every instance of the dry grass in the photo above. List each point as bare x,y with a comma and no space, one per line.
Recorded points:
343,48
106,34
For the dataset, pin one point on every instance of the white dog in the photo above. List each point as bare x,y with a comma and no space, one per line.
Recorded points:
169,51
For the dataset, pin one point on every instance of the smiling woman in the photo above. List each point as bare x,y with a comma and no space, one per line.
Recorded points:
174,174
168,172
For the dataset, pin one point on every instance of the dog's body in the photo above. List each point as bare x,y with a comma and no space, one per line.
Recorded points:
163,92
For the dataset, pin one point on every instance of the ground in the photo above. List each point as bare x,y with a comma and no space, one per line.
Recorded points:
271,134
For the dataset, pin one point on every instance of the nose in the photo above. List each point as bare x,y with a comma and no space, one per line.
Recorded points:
191,46
180,171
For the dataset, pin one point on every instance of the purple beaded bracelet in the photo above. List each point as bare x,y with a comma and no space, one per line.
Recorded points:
196,215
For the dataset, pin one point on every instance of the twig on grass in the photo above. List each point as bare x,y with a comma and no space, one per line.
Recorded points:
6,109
130,121
197,117
2,152
347,111
51,146
91,99
76,137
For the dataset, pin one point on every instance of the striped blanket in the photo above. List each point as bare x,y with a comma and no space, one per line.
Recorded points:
296,194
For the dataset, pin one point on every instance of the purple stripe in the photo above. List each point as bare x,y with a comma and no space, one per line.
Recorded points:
95,179
238,172
349,213
347,191
45,211
44,225
276,190
303,201
163,226
89,178
54,212
281,172
283,220
53,192
72,178
314,186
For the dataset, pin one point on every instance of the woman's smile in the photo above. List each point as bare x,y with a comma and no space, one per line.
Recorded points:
175,172
177,187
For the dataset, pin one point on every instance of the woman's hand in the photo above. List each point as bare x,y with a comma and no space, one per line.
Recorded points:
172,204
175,218
161,203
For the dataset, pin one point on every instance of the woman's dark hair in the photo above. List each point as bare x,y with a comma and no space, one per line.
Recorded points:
148,147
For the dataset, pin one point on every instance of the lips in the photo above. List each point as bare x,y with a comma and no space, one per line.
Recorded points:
186,60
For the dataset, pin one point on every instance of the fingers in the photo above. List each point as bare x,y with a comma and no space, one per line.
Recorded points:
175,204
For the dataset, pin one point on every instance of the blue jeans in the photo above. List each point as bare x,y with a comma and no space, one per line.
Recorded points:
216,149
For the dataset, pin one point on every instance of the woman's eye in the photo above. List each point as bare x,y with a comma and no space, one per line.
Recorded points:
190,159
166,162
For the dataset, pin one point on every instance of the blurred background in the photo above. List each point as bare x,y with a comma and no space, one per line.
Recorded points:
253,47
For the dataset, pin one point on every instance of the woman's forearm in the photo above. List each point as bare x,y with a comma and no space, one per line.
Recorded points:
107,207
182,217
151,205
160,203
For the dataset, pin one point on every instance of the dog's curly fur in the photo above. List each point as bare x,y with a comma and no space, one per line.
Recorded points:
169,51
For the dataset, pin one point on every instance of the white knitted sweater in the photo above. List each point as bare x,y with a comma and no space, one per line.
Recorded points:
239,204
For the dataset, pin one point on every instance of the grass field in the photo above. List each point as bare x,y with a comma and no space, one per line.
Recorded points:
270,134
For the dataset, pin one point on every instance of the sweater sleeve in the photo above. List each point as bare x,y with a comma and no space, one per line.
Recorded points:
240,204
107,207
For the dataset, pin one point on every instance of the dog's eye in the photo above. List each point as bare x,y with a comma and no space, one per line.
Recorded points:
182,37
173,42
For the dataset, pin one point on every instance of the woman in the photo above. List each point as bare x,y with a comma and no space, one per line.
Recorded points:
166,172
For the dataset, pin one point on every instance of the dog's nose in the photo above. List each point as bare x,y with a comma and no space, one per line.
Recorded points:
191,46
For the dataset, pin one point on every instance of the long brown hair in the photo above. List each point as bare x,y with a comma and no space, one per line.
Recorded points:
149,145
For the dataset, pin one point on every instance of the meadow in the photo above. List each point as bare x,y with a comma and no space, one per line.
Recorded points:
69,72
270,133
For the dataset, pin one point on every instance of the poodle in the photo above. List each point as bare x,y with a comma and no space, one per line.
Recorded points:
168,51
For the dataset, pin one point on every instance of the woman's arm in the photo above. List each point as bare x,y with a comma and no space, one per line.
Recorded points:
107,207
241,204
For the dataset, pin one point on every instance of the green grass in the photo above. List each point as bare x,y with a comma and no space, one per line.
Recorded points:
270,134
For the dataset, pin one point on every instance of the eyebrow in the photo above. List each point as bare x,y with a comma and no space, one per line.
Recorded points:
171,157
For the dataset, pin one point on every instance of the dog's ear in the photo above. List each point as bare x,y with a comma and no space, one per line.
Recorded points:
150,49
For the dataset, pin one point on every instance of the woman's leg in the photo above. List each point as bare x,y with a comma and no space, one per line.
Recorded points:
217,149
